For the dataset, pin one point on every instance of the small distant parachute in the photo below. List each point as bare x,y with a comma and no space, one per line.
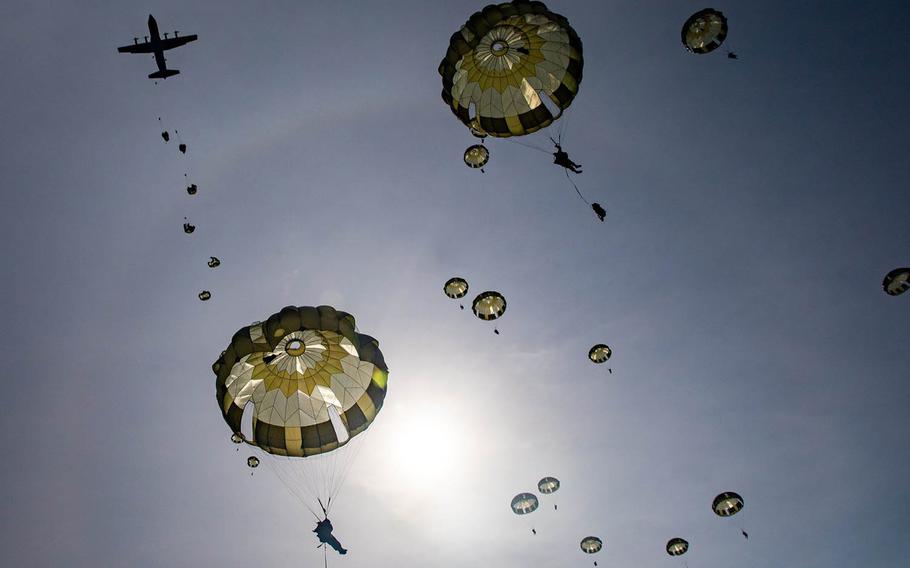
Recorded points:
476,156
237,438
253,462
524,503
704,31
205,295
727,504
677,546
182,148
456,287
192,189
548,485
489,306
165,135
600,353
214,262
591,545
504,61
188,227
896,282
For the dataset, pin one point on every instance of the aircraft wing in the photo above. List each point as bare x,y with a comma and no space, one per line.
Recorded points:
136,48
172,42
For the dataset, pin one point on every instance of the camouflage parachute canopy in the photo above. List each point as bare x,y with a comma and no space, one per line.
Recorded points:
456,287
704,31
896,282
600,353
548,485
313,380
489,305
476,156
677,546
503,61
591,544
727,504
524,503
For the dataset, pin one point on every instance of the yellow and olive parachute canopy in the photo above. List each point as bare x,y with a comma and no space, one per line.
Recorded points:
205,295
313,380
524,503
600,353
704,31
456,287
214,262
476,156
252,461
591,544
489,305
896,282
677,546
503,60
548,485
727,504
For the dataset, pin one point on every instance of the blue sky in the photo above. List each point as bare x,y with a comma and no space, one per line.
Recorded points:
753,208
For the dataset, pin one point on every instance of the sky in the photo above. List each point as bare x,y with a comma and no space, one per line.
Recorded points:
753,207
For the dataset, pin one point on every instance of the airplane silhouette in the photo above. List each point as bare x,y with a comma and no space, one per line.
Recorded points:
158,46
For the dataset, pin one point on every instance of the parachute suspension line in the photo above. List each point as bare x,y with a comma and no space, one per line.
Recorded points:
317,480
274,465
582,197
526,145
563,124
349,463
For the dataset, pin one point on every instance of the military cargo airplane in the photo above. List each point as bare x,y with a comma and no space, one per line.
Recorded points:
155,44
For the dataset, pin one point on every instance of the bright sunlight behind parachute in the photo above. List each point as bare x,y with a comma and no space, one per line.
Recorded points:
507,64
312,384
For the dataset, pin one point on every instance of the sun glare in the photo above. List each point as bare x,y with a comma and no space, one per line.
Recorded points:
429,450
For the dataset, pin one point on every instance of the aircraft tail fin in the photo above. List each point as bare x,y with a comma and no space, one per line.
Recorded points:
164,74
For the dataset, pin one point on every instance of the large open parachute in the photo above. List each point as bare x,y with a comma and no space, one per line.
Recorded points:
506,63
311,383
